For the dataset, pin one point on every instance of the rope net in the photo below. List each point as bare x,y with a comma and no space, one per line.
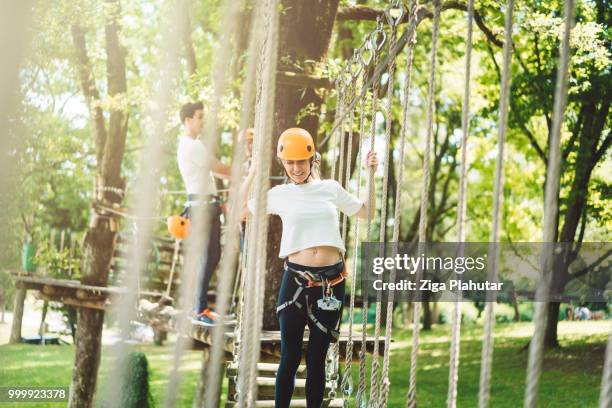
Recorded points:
359,80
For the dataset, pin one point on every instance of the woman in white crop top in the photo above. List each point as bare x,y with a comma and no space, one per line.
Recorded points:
312,288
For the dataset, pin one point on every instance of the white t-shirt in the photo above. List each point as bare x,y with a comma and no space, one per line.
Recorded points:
191,154
309,213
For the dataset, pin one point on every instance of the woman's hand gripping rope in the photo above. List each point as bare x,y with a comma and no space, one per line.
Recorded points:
369,198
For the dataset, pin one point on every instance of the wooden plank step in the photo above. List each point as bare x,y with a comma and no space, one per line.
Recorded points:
267,385
295,403
266,370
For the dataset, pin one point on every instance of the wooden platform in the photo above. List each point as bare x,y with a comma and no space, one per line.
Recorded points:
270,342
72,292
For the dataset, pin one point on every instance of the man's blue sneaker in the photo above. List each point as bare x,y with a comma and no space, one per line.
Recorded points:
207,317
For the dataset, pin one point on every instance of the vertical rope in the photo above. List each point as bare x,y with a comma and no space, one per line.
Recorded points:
487,346
243,327
258,233
146,194
177,245
338,132
247,379
361,394
605,396
347,380
411,399
188,284
551,204
341,135
453,373
333,354
227,266
264,127
246,118
385,383
239,328
343,85
348,169
351,83
346,87
374,381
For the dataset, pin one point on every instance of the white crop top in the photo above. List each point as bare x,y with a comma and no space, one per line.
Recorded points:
309,213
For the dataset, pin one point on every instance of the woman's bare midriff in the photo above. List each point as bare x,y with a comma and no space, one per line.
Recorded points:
316,256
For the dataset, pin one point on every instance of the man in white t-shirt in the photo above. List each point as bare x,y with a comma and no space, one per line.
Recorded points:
192,155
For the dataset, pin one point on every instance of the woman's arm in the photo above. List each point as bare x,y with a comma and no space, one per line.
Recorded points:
368,209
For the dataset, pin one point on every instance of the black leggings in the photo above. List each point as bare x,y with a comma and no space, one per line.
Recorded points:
292,320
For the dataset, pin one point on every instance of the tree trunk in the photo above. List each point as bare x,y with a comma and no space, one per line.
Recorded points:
41,328
596,107
97,254
99,242
435,313
304,34
72,319
426,311
87,357
406,314
550,339
515,305
159,336
20,296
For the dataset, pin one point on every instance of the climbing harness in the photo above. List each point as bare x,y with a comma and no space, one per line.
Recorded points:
326,279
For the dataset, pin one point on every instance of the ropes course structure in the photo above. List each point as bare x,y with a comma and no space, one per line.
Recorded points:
536,346
253,302
243,272
453,372
493,256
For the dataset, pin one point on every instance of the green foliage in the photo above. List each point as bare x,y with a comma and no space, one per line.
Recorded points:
57,166
504,313
57,263
135,392
526,310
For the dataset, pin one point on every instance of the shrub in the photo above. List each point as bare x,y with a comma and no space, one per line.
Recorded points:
135,392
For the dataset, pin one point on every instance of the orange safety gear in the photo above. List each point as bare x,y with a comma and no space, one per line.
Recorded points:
295,144
178,226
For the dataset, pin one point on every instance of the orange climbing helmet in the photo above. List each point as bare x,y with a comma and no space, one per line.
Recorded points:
179,226
247,134
295,144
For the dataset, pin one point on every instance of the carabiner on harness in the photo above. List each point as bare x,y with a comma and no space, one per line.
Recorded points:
328,301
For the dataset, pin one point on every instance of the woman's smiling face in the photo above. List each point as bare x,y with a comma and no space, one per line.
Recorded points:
298,170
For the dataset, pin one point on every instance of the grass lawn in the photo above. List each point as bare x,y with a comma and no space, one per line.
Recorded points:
37,366
571,377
